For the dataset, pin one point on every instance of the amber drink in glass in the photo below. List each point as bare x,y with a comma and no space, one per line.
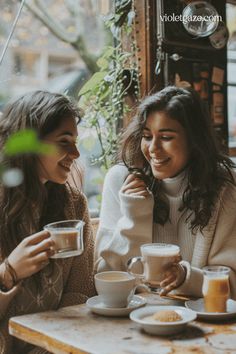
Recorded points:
216,288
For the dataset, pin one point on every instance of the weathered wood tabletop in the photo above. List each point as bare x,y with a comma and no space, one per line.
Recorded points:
75,329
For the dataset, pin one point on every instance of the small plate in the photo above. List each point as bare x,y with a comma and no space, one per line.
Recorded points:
162,328
97,306
198,307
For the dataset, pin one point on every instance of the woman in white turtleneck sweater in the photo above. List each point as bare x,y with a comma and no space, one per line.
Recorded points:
173,187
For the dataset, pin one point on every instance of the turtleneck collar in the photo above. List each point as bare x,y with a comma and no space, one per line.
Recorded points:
174,186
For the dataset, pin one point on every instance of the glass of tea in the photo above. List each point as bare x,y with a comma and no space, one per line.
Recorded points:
68,237
216,288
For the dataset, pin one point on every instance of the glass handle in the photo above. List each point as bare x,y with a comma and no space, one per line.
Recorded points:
131,262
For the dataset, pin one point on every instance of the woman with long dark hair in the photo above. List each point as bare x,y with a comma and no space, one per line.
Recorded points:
30,281
174,186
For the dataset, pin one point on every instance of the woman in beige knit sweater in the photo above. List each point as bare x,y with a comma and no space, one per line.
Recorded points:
30,281
175,186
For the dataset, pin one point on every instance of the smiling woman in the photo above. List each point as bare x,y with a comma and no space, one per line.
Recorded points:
30,280
174,186
56,167
164,145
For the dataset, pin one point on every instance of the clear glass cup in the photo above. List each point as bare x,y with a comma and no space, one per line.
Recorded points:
68,237
155,260
216,288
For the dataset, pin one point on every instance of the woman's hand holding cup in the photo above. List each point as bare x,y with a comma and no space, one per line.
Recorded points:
174,276
32,254
161,267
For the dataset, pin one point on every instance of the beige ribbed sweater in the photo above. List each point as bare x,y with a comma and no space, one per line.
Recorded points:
176,230
63,282
126,222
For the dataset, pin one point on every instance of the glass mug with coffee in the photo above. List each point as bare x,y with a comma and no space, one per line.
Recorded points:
67,236
216,288
156,258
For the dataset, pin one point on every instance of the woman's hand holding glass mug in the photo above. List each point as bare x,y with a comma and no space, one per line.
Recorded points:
173,277
31,255
162,269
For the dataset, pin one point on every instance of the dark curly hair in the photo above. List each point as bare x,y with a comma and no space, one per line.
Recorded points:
208,169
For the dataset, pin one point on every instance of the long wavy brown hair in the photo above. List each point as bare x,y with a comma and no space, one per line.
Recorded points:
208,169
42,111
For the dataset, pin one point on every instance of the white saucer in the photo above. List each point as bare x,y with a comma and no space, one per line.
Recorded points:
97,306
162,328
198,307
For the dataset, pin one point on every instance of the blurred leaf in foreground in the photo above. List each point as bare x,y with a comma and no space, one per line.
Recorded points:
26,141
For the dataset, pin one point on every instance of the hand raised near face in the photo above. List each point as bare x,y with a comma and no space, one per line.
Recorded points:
134,185
32,254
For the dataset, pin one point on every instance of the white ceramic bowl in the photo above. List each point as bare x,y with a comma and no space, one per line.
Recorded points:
162,328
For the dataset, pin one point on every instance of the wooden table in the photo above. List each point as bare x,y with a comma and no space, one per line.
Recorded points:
75,329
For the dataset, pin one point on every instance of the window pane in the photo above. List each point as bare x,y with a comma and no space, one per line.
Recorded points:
37,59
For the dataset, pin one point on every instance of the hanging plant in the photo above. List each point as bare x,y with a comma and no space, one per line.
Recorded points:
103,96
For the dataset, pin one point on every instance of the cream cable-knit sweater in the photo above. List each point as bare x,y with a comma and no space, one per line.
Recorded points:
63,282
126,222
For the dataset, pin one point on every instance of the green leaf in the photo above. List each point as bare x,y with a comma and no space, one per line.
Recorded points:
103,169
26,141
105,93
91,84
108,52
102,63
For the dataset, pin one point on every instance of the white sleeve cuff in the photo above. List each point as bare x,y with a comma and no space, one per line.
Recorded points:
193,282
136,206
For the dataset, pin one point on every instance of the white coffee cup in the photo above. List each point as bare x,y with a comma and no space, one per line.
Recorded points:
156,259
115,288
